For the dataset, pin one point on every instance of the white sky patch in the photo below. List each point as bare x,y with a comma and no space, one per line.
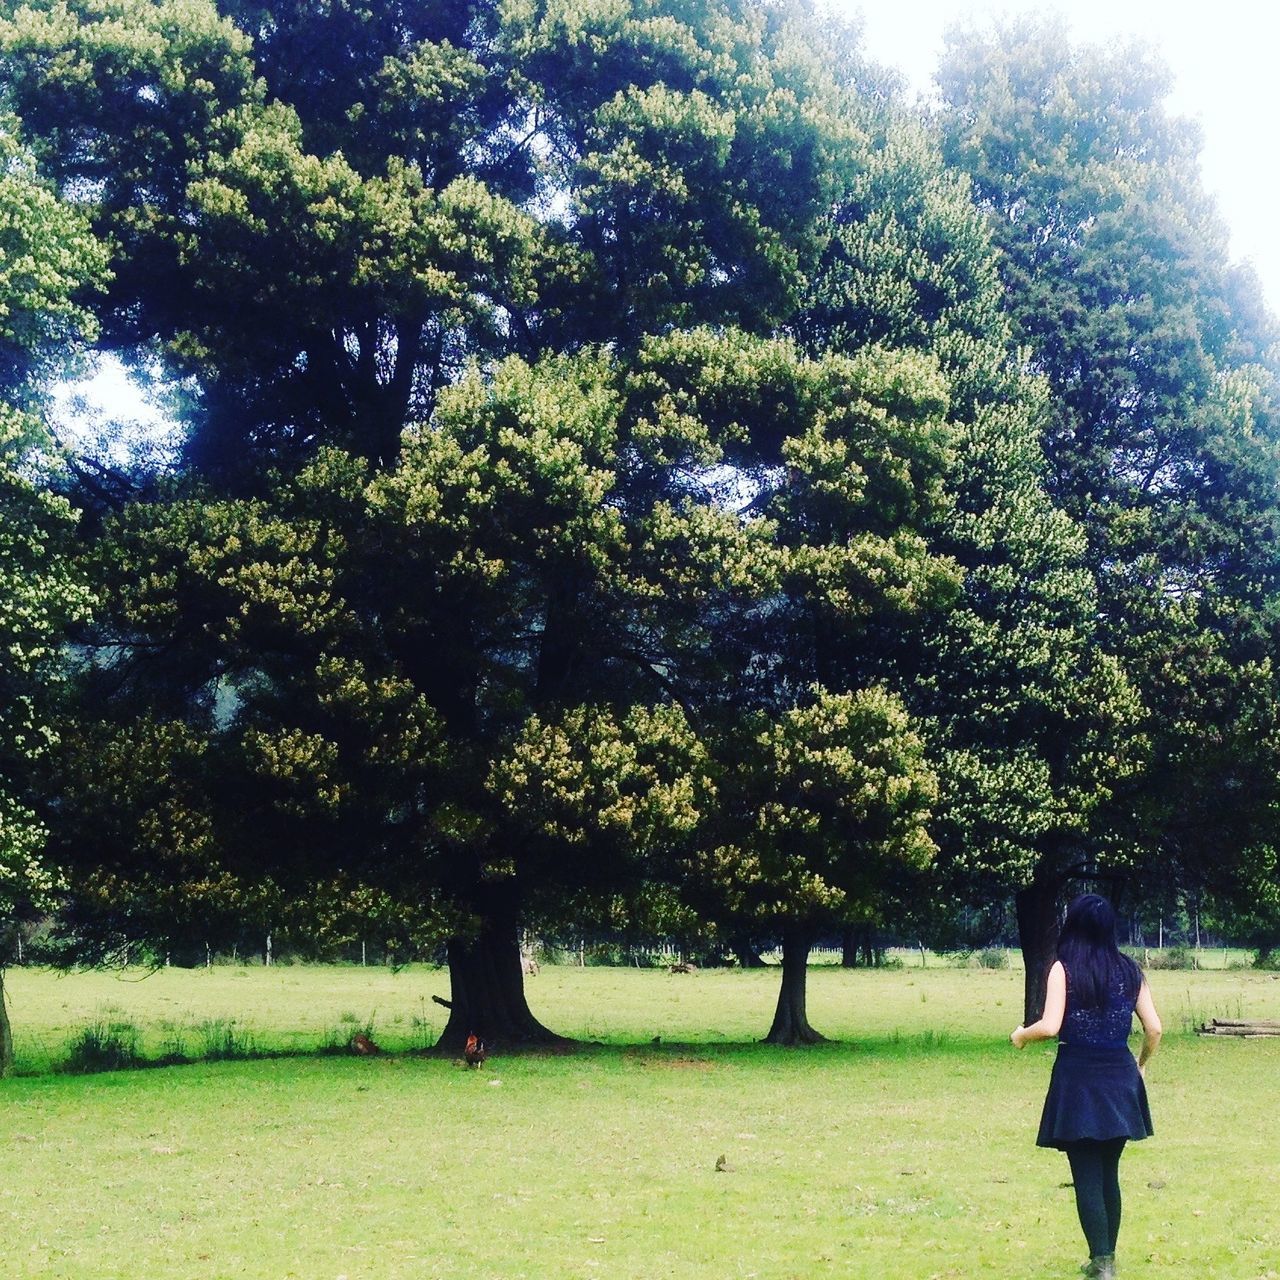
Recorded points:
112,417
1221,58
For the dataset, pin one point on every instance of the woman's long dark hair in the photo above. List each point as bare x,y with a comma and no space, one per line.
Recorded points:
1088,951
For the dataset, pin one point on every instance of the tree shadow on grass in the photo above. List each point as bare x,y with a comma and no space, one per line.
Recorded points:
90,1053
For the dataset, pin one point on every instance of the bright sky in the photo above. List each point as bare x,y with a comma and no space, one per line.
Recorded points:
1223,60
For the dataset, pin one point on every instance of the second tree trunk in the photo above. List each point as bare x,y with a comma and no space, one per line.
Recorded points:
1037,909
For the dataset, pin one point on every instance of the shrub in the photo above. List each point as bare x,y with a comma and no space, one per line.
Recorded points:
221,1042
174,1049
104,1046
967,958
1173,958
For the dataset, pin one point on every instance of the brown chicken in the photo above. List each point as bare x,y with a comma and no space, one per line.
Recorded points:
474,1051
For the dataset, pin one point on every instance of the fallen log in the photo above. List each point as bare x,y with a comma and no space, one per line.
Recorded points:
1239,1032
1261,1027
1247,1022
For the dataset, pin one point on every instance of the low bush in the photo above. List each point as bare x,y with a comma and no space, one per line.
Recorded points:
104,1046
1173,958
221,1041
967,958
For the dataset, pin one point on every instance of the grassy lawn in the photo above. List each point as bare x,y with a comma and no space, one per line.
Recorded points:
903,1151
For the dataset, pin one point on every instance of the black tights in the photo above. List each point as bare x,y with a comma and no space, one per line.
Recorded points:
1095,1169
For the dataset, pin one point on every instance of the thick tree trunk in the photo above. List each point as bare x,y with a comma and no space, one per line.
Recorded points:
6,1033
790,1021
486,980
1037,908
748,955
850,947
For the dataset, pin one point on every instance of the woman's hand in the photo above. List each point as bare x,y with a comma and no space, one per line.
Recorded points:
1018,1039
1142,1070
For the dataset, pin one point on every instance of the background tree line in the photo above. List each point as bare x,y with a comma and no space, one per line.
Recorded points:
633,470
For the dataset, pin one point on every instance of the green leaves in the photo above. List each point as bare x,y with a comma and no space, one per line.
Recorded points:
47,258
424,104
1116,278
625,787
356,246
119,97
819,807
611,467
48,261
652,157
237,574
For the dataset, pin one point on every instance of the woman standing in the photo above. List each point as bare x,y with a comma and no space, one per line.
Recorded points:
1097,1096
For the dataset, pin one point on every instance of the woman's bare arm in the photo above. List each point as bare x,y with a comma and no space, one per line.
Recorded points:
1151,1028
1055,1006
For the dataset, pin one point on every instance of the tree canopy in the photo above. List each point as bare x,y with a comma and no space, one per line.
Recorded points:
627,459
1160,429
48,257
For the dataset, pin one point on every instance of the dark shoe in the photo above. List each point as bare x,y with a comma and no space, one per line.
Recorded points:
1103,1267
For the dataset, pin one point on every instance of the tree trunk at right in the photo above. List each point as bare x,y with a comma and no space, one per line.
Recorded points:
790,1020
1037,910
6,1033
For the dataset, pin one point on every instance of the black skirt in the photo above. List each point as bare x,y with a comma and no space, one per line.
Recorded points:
1094,1093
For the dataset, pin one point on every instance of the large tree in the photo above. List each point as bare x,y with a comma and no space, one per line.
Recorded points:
348,657
321,214
490,425
843,456
1030,721
320,243
820,807
1160,429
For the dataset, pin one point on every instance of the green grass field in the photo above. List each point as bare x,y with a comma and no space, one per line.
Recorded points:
903,1151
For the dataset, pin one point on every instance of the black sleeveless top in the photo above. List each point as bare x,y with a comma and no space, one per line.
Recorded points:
1106,1027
